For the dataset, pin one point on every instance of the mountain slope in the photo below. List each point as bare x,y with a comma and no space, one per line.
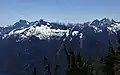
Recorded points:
26,43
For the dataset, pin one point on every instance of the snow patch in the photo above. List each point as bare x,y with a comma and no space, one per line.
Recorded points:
81,35
42,32
75,33
114,28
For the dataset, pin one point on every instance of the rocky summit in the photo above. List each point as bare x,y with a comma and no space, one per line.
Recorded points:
25,43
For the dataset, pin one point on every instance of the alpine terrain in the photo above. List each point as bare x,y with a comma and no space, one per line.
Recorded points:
24,44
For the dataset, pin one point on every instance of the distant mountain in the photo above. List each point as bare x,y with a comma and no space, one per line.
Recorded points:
26,43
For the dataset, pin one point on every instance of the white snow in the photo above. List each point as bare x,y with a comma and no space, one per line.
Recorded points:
19,31
48,23
67,33
100,30
95,27
114,28
117,27
110,28
43,32
81,35
28,23
75,33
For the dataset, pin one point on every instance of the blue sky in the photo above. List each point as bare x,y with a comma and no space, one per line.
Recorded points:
58,10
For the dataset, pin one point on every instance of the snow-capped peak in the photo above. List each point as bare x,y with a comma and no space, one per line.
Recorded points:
21,23
113,21
105,21
114,27
95,22
45,30
42,32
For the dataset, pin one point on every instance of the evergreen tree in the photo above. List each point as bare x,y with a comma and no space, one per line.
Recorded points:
55,70
47,70
109,61
34,72
90,66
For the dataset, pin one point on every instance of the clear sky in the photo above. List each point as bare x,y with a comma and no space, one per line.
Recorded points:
58,10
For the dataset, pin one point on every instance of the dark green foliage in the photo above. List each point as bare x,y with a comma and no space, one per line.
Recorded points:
76,64
55,70
47,70
34,72
109,61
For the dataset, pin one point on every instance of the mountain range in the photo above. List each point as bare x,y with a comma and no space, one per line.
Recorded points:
25,43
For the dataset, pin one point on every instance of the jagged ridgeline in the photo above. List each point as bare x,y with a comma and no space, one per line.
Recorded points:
65,48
